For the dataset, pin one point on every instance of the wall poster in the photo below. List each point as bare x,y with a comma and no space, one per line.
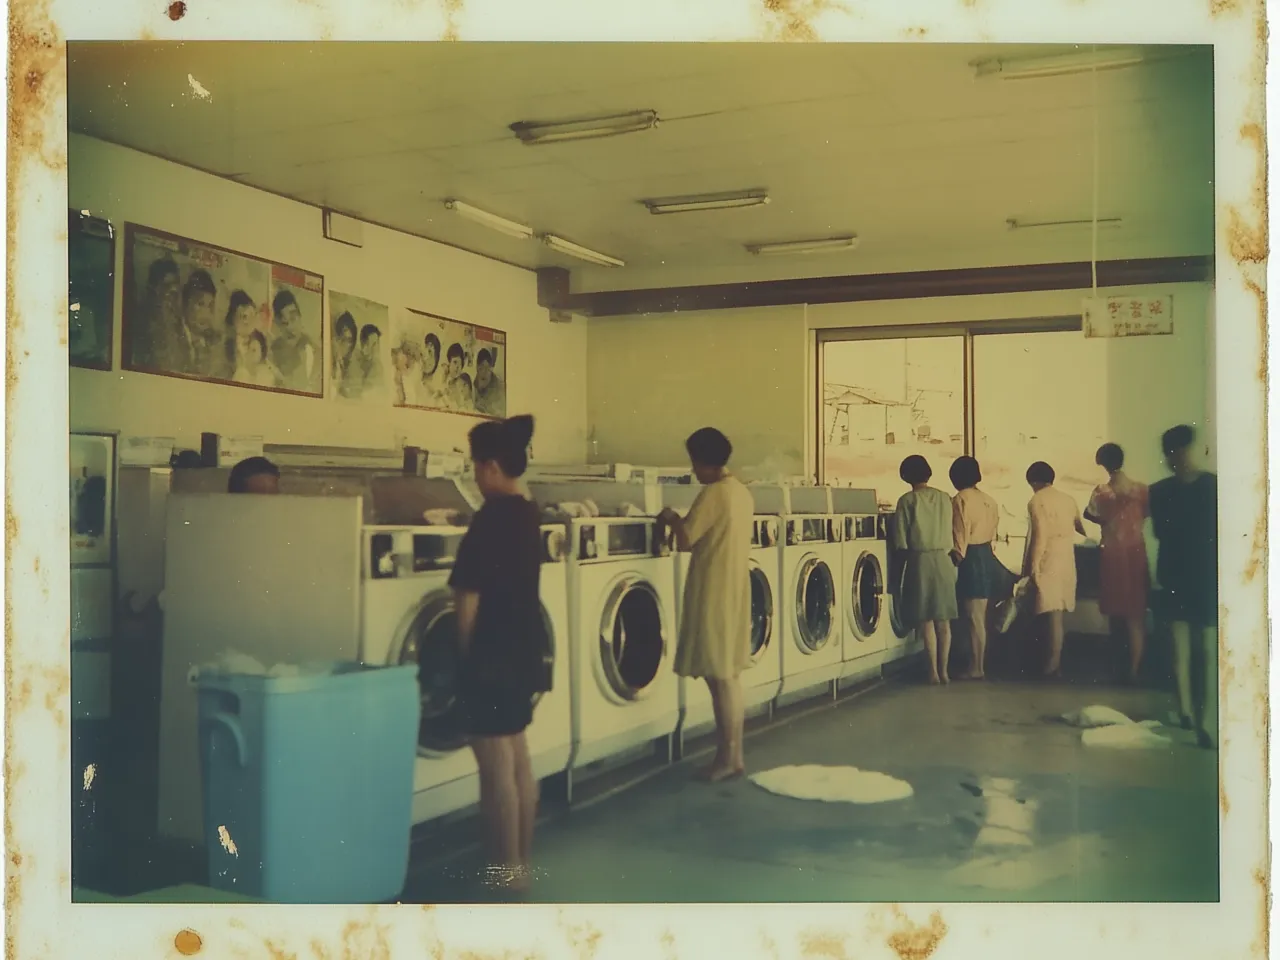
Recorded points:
442,364
198,311
360,334
92,458
91,273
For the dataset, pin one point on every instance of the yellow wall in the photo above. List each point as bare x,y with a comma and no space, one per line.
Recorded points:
653,378
546,372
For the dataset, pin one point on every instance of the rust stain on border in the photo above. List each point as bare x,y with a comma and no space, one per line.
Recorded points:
188,943
791,20
917,942
452,10
816,944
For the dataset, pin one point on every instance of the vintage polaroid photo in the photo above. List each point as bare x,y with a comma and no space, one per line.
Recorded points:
866,556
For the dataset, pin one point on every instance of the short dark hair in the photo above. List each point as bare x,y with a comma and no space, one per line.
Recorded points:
484,356
345,322
160,269
367,331
455,350
1040,472
283,300
432,341
1110,457
245,470
915,469
1177,438
238,299
504,442
709,447
198,282
965,473
186,460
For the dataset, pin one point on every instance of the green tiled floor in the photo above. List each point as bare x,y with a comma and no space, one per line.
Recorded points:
1108,824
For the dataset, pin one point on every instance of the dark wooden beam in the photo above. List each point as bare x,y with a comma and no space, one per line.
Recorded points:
1025,278
553,287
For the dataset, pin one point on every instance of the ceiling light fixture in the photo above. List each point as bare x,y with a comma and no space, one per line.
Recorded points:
561,245
826,245
1036,225
707,201
535,132
1060,65
490,220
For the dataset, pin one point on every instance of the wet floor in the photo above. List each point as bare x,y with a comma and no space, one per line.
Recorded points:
1008,805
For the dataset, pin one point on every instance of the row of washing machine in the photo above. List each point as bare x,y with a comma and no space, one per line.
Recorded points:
295,579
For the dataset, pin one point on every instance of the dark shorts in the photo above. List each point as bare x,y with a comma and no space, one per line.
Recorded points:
977,577
496,712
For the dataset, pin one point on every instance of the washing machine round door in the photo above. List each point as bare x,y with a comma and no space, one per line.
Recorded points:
867,595
431,642
900,629
815,605
633,637
761,613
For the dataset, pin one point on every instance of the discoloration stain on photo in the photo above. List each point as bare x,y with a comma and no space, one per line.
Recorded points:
823,944
913,942
177,10
319,950
365,941
917,33
188,943
790,20
1262,946
770,946
452,10
277,952
36,84
1218,8
668,941
584,938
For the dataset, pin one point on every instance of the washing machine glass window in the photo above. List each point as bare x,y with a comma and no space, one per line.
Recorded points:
815,602
868,594
761,613
633,642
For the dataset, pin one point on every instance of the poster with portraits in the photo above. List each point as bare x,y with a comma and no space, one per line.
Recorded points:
442,364
201,312
359,331
92,458
91,269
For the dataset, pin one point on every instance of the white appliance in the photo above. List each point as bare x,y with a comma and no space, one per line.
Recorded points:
864,598
811,562
763,678
622,625
903,641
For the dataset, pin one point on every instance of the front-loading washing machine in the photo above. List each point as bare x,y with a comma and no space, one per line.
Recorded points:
622,631
409,617
763,676
811,562
903,641
864,599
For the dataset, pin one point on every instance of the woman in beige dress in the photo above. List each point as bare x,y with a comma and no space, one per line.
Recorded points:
1050,558
715,626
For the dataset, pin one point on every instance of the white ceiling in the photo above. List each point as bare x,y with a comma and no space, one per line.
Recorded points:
895,142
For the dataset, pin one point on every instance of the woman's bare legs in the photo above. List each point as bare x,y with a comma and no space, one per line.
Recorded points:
943,628
976,616
499,805
727,700
1181,632
931,648
1137,627
527,788
1056,633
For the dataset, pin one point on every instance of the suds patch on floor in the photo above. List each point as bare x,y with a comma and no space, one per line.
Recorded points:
832,784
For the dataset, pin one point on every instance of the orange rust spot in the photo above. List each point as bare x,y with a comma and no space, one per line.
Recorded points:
188,943
1258,552
177,10
912,942
36,84
16,859
278,952
824,944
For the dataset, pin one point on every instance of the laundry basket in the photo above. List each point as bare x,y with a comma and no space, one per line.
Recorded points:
308,782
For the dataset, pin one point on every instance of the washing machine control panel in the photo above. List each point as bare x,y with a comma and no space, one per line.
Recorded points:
764,532
861,528
405,552
554,544
601,540
814,530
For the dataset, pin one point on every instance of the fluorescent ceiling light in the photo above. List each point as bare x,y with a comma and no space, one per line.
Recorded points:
1038,224
826,245
1060,65
490,220
708,201
561,245
534,132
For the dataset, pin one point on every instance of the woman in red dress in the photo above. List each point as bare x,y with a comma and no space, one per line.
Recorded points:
1119,506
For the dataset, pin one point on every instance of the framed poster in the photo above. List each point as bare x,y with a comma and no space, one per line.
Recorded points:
201,312
92,489
443,364
361,347
91,275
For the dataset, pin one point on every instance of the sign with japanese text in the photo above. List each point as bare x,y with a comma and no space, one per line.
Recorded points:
1144,316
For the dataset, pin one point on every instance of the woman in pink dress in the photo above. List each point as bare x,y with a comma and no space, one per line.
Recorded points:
1050,560
1119,506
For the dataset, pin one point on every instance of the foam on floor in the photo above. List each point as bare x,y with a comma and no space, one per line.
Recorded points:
832,784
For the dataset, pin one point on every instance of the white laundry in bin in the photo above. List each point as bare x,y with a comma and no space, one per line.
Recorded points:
308,781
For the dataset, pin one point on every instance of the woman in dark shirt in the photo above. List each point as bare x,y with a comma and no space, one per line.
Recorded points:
1184,517
503,638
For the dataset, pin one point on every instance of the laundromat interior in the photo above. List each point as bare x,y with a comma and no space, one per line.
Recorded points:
343,257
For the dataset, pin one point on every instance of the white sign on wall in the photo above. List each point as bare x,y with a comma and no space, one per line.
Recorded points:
1128,316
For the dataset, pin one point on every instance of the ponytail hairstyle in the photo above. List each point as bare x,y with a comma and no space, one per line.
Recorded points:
504,442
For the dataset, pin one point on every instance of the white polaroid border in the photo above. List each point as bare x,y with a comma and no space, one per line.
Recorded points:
42,919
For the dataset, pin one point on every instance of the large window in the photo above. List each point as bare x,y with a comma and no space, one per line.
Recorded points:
1009,394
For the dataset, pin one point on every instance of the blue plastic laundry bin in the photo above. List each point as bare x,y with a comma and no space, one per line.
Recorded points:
308,782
